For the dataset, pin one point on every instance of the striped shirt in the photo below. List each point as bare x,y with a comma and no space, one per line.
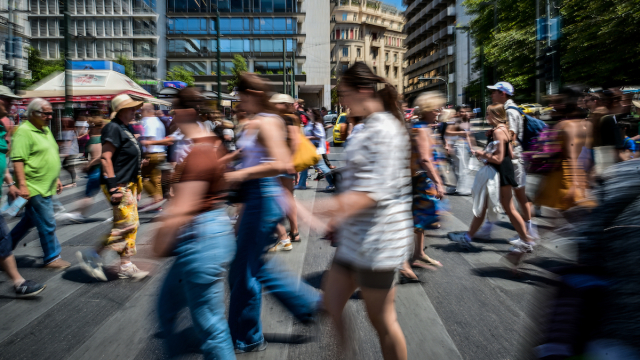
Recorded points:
378,238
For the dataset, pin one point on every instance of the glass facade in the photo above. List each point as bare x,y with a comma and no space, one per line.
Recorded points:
193,47
198,26
196,67
274,66
209,6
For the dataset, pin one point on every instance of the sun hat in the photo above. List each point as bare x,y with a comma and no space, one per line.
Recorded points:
123,101
5,92
503,86
282,99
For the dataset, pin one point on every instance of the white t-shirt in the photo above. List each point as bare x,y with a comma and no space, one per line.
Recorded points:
317,130
153,130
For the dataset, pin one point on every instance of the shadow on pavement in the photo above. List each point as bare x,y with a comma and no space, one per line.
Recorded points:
522,276
28,261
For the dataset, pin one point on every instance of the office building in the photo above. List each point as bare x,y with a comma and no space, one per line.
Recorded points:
21,38
99,30
439,49
274,36
368,31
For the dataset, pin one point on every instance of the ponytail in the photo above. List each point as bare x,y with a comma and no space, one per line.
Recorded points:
389,97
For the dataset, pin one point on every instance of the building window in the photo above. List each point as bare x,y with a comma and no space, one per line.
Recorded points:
386,56
345,67
194,67
344,17
333,18
395,58
395,72
358,52
345,51
355,17
374,54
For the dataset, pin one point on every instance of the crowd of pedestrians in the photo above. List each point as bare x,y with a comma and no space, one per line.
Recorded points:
224,191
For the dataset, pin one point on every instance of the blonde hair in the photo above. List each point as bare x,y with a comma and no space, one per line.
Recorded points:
446,114
429,101
499,113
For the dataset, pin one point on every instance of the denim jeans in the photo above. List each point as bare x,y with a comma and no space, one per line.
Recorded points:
325,170
249,272
39,213
196,280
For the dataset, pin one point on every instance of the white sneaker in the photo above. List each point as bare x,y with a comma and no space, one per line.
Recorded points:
132,272
517,241
91,263
521,246
461,239
485,231
282,245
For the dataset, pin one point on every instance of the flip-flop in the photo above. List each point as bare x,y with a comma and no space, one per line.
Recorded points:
428,261
408,280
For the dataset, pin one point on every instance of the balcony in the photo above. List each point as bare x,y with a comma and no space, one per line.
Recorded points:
376,43
145,55
344,59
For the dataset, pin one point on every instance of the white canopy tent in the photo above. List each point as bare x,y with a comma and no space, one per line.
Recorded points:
89,85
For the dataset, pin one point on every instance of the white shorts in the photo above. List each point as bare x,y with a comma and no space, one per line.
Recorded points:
521,174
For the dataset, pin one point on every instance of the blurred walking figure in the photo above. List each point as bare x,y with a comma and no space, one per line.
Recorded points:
155,143
92,168
264,156
459,132
284,103
36,164
69,148
372,217
428,189
197,230
122,185
565,185
316,134
498,155
21,287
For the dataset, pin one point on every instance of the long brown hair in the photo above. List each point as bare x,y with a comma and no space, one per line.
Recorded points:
255,85
499,113
359,76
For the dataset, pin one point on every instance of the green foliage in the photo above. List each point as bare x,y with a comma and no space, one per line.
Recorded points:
129,69
280,72
269,72
223,73
41,68
510,48
599,46
304,73
335,101
239,68
257,72
179,73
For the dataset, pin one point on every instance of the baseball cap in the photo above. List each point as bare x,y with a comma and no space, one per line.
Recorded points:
503,86
282,99
5,92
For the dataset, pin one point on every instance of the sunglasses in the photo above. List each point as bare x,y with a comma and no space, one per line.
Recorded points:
45,113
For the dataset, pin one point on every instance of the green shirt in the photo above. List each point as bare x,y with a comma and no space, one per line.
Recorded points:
3,152
39,152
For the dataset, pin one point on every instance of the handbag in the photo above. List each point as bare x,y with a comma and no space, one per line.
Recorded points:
306,154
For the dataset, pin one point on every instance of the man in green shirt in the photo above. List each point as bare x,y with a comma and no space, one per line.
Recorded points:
36,162
22,287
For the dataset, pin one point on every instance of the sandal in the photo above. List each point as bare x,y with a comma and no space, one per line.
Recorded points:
428,261
295,237
408,280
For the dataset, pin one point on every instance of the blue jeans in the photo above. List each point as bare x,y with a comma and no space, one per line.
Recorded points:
249,272
325,170
93,184
39,213
196,280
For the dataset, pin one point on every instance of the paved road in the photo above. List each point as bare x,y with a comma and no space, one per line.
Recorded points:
472,308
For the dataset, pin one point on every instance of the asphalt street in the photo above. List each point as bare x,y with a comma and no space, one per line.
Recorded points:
475,307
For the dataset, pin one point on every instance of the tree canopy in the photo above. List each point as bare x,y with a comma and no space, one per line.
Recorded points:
179,73
597,47
41,68
129,69
239,67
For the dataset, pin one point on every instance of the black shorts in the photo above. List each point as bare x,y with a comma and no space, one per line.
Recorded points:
5,239
371,279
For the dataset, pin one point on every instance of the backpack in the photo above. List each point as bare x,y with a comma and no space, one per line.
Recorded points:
545,154
531,129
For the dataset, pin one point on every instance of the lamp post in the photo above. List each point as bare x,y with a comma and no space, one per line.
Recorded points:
437,78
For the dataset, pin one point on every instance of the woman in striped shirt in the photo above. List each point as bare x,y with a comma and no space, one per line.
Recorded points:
371,218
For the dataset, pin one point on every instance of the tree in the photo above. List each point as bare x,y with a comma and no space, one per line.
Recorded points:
239,67
129,69
41,68
179,73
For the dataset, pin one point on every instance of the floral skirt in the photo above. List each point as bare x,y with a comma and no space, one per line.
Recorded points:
426,208
122,238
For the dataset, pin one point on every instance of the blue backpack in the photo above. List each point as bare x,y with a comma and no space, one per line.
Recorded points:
531,129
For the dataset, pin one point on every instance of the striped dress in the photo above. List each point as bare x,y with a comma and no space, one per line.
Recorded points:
378,157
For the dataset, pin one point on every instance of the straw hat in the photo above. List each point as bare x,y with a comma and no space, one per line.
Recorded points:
282,99
123,101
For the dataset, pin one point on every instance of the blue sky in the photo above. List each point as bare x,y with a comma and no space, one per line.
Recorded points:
396,3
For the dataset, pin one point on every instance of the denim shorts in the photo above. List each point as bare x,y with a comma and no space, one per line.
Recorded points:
371,279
